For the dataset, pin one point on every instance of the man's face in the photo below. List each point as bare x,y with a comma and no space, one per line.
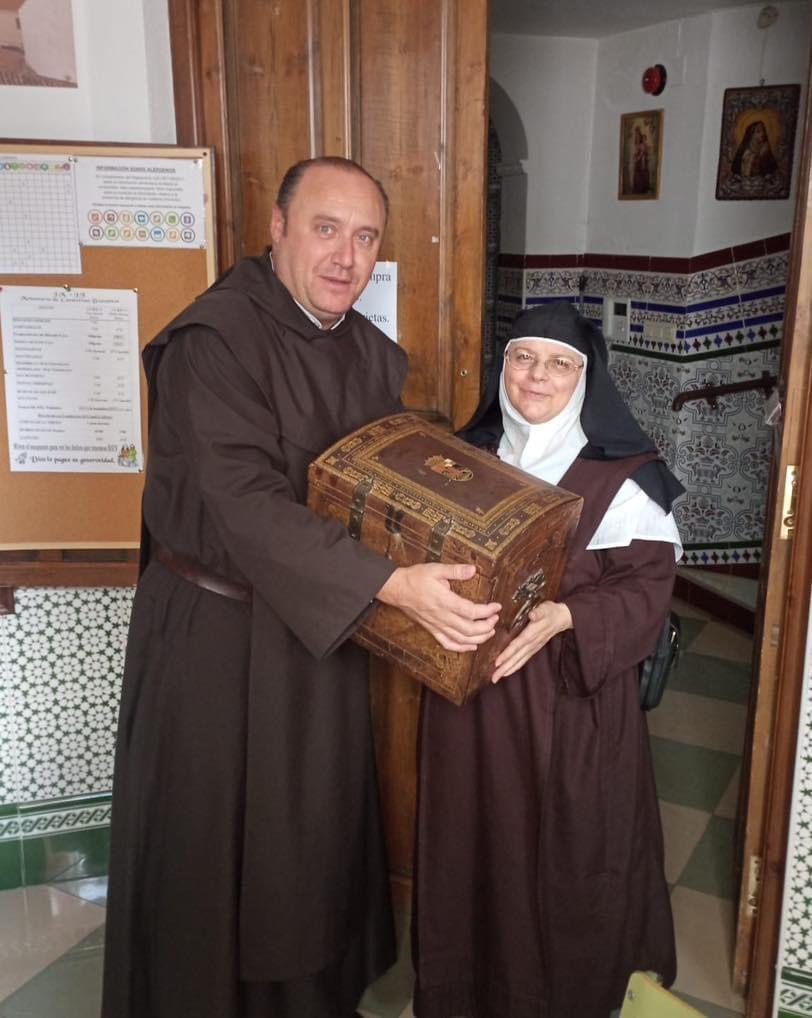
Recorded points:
325,251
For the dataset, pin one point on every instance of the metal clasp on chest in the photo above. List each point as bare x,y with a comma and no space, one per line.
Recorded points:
527,596
437,538
357,506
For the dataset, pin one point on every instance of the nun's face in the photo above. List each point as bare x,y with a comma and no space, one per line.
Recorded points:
541,387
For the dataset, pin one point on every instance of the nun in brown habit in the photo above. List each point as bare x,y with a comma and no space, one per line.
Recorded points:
539,864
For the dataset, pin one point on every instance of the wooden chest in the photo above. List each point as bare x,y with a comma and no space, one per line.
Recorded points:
413,492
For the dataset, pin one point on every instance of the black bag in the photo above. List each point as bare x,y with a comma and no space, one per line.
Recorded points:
655,668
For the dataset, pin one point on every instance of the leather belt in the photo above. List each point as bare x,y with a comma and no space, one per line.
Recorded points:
198,574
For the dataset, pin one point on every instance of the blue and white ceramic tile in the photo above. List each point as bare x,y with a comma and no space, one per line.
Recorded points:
794,989
688,331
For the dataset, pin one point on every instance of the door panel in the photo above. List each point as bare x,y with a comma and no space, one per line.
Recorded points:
400,48
780,638
272,106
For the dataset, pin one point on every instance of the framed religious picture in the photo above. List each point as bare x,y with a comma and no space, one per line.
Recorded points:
757,143
641,152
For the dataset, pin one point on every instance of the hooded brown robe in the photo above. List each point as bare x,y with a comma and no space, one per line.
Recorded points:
539,880
247,873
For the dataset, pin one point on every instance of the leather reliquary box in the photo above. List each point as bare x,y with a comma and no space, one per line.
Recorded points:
415,493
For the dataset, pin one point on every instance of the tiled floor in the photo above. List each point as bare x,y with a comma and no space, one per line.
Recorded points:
741,590
51,937
697,735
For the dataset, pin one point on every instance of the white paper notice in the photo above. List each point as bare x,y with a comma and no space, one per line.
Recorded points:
137,202
72,382
379,301
38,224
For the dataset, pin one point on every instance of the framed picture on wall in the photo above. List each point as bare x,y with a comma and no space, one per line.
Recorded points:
757,142
36,44
641,152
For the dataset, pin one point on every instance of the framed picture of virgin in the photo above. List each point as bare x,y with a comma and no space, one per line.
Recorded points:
757,142
641,151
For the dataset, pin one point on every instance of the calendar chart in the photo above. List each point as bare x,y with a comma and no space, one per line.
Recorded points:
75,312
39,230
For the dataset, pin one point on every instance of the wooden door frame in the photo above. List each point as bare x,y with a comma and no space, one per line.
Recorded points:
781,642
201,80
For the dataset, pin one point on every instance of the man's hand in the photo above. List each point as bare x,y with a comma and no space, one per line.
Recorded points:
546,620
424,593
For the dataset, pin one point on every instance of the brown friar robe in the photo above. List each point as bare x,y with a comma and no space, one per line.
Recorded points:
540,883
247,872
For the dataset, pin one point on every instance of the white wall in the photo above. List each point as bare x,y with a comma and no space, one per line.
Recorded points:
124,76
47,31
158,62
552,85
570,94
742,55
10,34
664,226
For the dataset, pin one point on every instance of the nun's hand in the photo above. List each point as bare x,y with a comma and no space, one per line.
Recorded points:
546,621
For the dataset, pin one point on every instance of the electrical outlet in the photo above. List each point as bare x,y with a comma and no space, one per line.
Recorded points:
616,319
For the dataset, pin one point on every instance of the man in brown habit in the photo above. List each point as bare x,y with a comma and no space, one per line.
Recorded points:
247,873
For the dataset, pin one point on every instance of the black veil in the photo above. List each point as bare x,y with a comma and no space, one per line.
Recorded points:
611,429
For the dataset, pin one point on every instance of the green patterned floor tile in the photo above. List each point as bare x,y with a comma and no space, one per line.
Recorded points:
691,775
711,676
711,867
794,990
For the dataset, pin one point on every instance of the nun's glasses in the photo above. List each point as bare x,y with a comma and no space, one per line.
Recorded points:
522,360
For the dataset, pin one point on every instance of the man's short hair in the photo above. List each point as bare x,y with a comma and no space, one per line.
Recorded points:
287,189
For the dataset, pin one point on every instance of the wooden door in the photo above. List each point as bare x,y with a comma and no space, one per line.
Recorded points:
781,634
400,86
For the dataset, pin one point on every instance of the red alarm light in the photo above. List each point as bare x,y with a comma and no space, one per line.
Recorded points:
654,79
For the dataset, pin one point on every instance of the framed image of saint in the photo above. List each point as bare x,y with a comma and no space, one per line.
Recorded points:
641,153
757,142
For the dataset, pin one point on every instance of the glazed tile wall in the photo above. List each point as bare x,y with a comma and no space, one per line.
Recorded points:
688,330
61,660
509,298
793,994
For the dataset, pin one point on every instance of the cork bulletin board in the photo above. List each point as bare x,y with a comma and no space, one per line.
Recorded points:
64,511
